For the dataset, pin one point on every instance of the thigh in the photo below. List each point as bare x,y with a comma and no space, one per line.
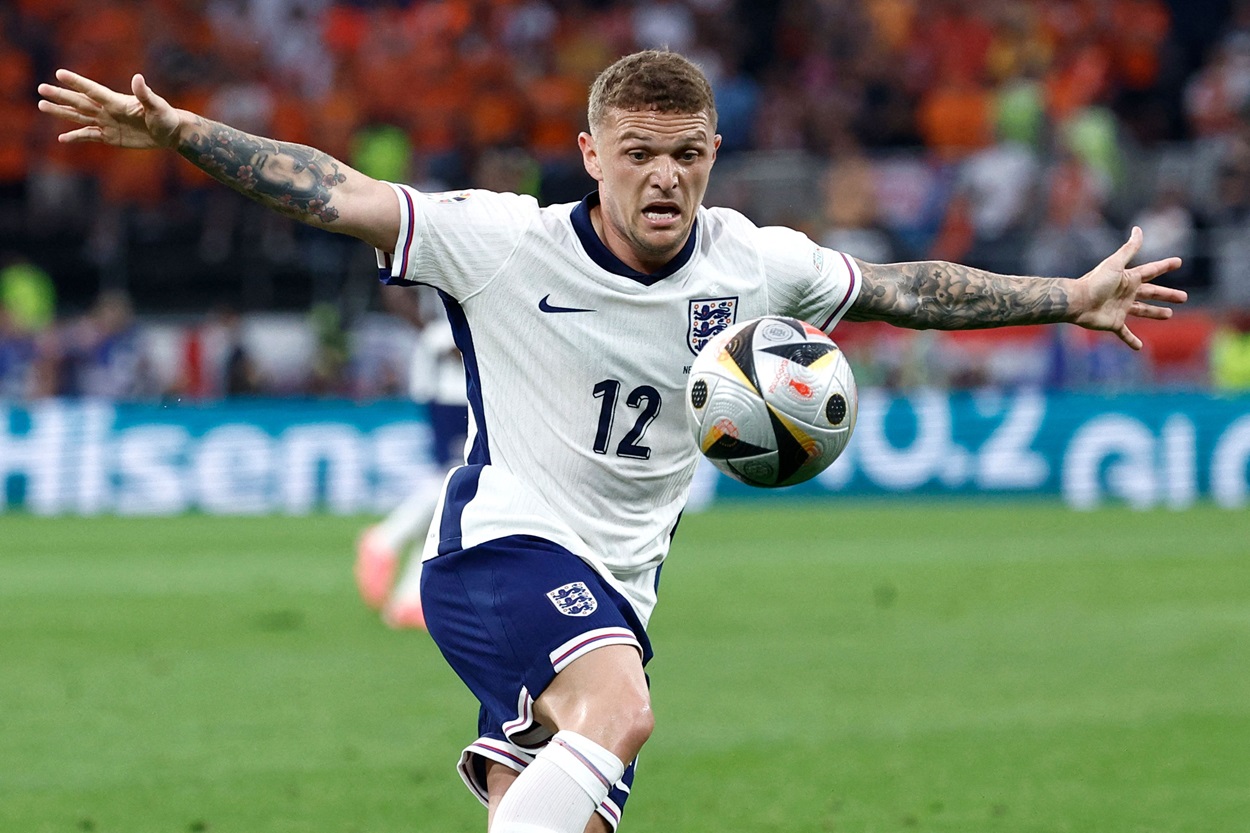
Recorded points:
511,614
603,696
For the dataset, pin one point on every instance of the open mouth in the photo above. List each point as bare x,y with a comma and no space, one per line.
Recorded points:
661,212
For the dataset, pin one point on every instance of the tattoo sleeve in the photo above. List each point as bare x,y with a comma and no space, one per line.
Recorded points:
294,180
947,296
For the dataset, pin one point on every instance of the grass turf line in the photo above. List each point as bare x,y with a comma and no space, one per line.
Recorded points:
861,667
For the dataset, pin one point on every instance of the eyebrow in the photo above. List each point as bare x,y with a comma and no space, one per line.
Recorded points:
685,139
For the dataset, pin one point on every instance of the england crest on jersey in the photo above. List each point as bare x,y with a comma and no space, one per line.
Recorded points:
574,599
708,316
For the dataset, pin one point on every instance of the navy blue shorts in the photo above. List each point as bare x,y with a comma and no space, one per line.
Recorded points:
508,616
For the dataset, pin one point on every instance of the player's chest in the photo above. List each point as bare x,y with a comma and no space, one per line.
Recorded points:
662,325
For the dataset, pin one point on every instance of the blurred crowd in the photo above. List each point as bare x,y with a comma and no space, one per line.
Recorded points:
1023,136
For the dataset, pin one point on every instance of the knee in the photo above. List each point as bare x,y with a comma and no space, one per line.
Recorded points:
603,696
636,722
622,728
617,718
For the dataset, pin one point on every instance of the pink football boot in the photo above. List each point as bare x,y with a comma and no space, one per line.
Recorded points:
376,564
404,614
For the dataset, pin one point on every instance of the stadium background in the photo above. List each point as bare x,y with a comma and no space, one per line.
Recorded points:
1024,137
916,653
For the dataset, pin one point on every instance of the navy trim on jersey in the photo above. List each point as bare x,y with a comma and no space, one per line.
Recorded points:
406,249
479,454
461,489
402,248
603,257
384,272
850,290
462,486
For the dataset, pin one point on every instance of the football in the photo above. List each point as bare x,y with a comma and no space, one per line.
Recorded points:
771,401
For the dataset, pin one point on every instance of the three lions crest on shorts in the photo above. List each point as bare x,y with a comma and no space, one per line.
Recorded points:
574,599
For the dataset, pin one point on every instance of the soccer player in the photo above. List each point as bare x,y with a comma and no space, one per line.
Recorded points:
577,324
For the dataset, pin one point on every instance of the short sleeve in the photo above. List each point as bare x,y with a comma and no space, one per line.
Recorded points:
455,241
805,280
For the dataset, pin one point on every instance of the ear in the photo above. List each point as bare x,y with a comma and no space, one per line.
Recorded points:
590,156
715,145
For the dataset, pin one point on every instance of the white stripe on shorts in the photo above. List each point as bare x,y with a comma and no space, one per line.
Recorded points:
584,643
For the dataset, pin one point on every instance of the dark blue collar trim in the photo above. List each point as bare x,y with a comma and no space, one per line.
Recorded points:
602,255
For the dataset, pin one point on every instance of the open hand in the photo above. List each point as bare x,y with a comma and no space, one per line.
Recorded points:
1112,292
141,120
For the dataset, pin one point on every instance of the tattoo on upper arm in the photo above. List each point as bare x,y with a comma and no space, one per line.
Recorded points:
948,296
295,180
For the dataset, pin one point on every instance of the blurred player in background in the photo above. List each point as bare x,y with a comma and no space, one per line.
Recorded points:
576,326
435,379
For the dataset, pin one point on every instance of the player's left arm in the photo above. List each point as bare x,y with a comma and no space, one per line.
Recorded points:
948,296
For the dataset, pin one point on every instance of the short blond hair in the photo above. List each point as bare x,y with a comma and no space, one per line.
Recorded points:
651,80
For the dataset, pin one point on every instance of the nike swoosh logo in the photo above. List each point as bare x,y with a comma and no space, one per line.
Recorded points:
545,306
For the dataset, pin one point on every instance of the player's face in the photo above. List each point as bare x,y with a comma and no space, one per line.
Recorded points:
652,170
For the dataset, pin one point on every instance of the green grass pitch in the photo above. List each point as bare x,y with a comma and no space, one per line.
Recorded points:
833,667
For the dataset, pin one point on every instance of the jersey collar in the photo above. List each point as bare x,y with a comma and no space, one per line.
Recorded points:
603,257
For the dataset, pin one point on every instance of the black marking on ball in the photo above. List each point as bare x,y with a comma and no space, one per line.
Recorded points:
698,394
793,323
804,352
739,349
835,409
791,455
731,448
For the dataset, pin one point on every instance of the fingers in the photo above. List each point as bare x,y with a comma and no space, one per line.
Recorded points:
1152,270
67,98
78,109
68,113
90,133
91,89
1166,294
1134,241
1126,335
72,106
1140,310
143,92
1127,252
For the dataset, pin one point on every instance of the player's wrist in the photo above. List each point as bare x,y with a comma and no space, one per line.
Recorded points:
178,137
1076,291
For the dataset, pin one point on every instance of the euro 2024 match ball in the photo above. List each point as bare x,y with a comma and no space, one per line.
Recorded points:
771,401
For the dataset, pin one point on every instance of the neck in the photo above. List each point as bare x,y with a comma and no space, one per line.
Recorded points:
620,248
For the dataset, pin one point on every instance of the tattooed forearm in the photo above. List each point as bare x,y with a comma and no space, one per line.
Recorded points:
292,179
947,296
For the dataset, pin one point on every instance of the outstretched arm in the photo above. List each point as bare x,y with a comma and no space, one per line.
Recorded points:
292,179
947,296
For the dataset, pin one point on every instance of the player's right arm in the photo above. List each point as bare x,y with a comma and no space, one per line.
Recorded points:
295,180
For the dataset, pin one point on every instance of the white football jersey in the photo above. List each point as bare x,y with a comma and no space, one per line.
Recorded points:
577,364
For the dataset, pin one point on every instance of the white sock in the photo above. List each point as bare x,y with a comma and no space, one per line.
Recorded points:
560,790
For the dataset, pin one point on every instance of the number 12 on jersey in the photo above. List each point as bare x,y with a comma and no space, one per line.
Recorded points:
645,399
